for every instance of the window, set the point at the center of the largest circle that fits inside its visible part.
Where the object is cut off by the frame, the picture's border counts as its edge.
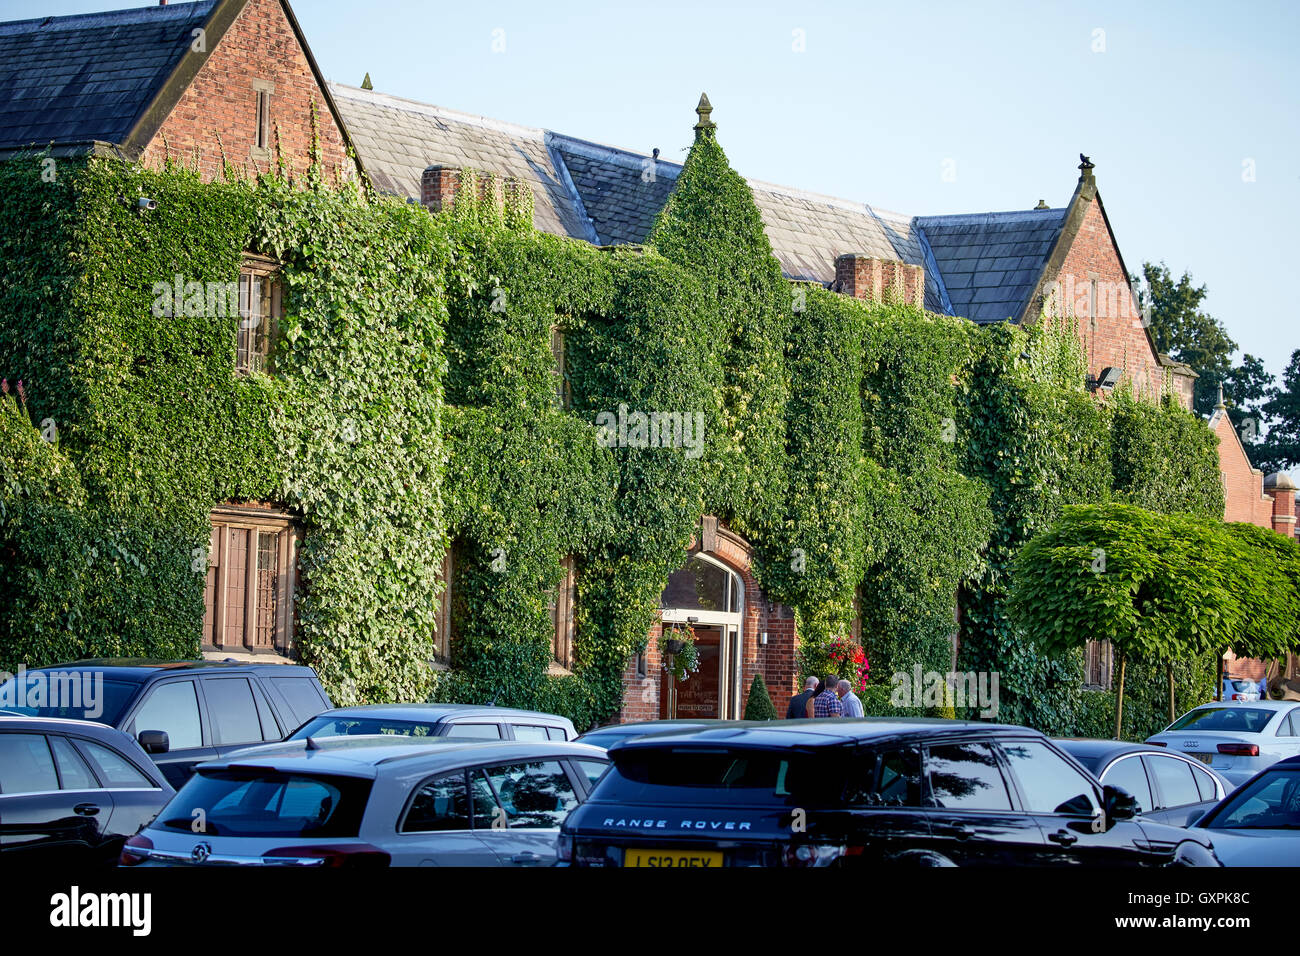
(259, 314)
(529, 733)
(1205, 784)
(441, 804)
(556, 733)
(233, 711)
(533, 795)
(270, 803)
(26, 765)
(562, 621)
(1288, 726)
(249, 594)
(442, 621)
(480, 731)
(1097, 667)
(562, 397)
(116, 771)
(966, 777)
(701, 585)
(1241, 720)
(174, 709)
(1175, 780)
(1049, 783)
(301, 695)
(73, 772)
(593, 769)
(1128, 774)
(262, 129)
(893, 779)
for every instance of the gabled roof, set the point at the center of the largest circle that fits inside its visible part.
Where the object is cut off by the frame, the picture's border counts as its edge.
(991, 262)
(80, 79)
(107, 81)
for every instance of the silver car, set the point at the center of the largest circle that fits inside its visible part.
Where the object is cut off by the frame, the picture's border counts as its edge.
(1237, 738)
(374, 801)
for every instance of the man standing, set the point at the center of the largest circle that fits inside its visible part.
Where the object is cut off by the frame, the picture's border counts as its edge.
(801, 704)
(827, 703)
(852, 704)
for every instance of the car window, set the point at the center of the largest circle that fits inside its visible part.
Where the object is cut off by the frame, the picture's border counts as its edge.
(85, 695)
(268, 803)
(116, 771)
(529, 732)
(1242, 720)
(1288, 727)
(593, 769)
(1050, 784)
(173, 708)
(1205, 784)
(966, 777)
(1129, 774)
(26, 765)
(1270, 801)
(488, 814)
(271, 729)
(556, 733)
(344, 725)
(533, 795)
(893, 778)
(486, 731)
(440, 804)
(232, 710)
(72, 769)
(1174, 777)
(301, 695)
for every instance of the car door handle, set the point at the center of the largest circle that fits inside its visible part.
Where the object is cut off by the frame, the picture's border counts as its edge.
(86, 809)
(528, 856)
(959, 830)
(1063, 837)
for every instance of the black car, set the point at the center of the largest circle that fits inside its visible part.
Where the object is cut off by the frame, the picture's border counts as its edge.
(181, 712)
(72, 792)
(856, 792)
(1168, 786)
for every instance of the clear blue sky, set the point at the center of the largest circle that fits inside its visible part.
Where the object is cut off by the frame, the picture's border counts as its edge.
(883, 94)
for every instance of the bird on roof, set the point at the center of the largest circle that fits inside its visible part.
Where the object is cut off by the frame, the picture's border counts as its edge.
(656, 152)
(1085, 162)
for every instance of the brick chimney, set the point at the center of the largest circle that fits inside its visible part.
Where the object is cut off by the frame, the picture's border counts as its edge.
(438, 187)
(1283, 489)
(866, 277)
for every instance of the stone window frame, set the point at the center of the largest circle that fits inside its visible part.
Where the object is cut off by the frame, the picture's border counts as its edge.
(260, 148)
(253, 343)
(255, 522)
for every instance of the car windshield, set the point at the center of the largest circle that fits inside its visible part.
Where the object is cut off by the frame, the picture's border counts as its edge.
(1269, 802)
(679, 776)
(68, 695)
(1243, 720)
(327, 726)
(267, 803)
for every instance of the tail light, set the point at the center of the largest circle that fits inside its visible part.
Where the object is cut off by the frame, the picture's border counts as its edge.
(564, 848)
(331, 855)
(1239, 750)
(135, 851)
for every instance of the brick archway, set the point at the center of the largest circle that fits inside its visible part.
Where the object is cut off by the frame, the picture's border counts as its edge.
(767, 635)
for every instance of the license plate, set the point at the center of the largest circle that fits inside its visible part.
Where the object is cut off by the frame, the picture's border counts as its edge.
(672, 858)
(1203, 758)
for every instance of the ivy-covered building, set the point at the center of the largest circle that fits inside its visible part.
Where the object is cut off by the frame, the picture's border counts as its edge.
(448, 406)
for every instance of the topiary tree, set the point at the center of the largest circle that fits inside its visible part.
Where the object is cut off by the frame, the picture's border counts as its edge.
(759, 706)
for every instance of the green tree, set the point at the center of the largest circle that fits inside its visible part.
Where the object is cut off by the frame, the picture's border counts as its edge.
(1281, 449)
(759, 706)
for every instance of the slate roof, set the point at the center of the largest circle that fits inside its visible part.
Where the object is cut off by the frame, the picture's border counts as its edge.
(991, 262)
(397, 138)
(81, 79)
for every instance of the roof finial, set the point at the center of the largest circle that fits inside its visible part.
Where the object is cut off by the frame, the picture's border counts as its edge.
(1042, 205)
(703, 110)
(1221, 405)
(366, 84)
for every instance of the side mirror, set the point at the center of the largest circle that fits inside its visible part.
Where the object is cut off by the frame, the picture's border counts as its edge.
(154, 741)
(1120, 804)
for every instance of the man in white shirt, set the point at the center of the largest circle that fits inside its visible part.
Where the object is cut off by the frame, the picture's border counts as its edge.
(852, 705)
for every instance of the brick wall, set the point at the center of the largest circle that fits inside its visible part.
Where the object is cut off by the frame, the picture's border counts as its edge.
(260, 49)
(1243, 485)
(1109, 323)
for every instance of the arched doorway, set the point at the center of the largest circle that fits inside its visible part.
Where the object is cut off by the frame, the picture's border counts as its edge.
(708, 596)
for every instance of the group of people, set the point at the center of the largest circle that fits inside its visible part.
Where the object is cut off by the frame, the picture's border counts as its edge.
(831, 697)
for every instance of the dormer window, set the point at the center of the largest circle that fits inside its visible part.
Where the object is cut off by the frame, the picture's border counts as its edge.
(259, 314)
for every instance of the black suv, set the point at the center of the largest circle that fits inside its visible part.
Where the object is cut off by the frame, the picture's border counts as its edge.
(856, 792)
(181, 712)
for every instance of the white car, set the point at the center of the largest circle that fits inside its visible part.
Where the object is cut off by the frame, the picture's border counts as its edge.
(1236, 738)
(387, 800)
